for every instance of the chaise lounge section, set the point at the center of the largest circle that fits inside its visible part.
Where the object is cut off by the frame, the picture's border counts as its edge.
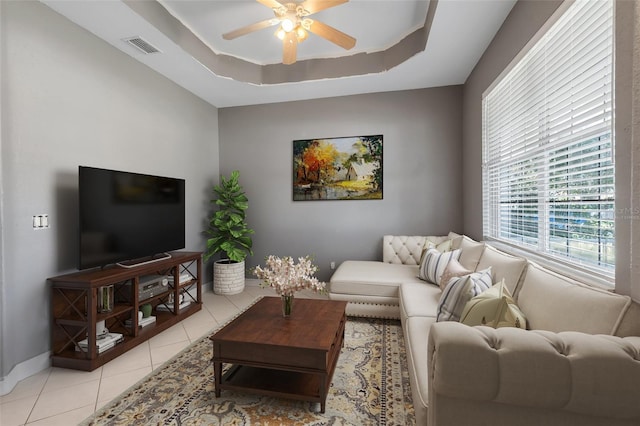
(578, 361)
(371, 287)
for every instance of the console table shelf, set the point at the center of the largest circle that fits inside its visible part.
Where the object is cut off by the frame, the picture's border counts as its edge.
(74, 307)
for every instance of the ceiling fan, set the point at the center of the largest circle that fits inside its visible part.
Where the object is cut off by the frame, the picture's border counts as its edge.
(295, 25)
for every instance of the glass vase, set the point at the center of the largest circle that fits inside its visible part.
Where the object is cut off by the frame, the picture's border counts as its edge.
(287, 305)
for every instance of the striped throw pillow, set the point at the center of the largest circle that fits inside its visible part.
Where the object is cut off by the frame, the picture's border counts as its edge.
(461, 290)
(434, 263)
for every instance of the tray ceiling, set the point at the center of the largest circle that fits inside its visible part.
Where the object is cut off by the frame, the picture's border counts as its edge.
(401, 45)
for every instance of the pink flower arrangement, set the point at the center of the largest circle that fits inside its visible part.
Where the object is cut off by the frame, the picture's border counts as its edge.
(286, 277)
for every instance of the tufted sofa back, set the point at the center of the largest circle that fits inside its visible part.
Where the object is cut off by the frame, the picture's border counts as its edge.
(403, 249)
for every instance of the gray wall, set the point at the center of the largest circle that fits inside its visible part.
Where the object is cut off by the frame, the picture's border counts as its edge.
(524, 21)
(629, 35)
(422, 178)
(69, 99)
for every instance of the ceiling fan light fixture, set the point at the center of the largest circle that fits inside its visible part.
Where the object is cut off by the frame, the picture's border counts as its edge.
(294, 27)
(287, 25)
(301, 34)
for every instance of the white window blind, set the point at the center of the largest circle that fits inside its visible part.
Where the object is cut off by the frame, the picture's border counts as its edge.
(548, 172)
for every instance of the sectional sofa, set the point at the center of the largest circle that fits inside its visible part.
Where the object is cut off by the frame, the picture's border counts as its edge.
(577, 363)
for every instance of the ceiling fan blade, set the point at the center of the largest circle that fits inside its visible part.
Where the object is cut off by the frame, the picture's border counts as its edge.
(290, 48)
(250, 28)
(271, 4)
(334, 36)
(313, 6)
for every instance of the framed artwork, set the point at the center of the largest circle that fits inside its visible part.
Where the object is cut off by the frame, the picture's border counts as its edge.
(344, 168)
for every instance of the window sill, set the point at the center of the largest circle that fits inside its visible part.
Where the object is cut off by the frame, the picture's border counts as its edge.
(584, 275)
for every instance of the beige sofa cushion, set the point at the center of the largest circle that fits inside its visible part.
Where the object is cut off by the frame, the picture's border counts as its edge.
(416, 332)
(557, 303)
(504, 266)
(371, 278)
(630, 323)
(471, 251)
(576, 372)
(419, 300)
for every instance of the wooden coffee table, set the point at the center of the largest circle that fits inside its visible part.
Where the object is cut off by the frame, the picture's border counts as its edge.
(285, 357)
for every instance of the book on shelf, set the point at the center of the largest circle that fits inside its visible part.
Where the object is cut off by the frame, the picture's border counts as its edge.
(104, 342)
(184, 278)
(169, 308)
(141, 322)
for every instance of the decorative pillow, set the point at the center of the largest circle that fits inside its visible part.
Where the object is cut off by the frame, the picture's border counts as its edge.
(440, 245)
(494, 308)
(434, 263)
(459, 291)
(453, 269)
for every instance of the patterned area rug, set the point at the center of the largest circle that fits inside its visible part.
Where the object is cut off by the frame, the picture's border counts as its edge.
(370, 387)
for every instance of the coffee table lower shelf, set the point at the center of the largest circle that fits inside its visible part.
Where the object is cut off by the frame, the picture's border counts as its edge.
(292, 358)
(296, 385)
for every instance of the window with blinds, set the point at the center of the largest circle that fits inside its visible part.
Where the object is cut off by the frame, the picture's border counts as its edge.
(548, 171)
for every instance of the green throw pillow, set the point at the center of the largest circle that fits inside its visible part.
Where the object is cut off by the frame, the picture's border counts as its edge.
(494, 308)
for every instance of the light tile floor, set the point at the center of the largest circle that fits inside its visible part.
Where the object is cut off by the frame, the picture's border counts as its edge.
(59, 396)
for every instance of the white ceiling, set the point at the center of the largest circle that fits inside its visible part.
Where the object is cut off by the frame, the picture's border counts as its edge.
(367, 21)
(460, 32)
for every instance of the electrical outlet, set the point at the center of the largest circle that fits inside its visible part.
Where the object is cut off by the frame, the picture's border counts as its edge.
(40, 221)
(333, 265)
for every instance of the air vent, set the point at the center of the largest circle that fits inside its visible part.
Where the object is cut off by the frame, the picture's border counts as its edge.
(142, 45)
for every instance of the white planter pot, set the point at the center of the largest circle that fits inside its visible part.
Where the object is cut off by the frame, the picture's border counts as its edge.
(228, 278)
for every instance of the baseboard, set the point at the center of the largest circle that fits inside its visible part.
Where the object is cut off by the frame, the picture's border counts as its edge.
(38, 363)
(23, 370)
(252, 282)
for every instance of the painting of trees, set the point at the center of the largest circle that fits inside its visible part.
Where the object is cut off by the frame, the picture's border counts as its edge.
(337, 168)
(318, 161)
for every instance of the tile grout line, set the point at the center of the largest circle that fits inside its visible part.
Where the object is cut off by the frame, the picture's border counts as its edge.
(38, 396)
(95, 405)
(238, 305)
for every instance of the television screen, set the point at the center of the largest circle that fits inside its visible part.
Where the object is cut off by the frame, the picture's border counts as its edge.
(128, 216)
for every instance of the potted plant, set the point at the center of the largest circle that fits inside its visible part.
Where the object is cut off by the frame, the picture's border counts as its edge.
(229, 234)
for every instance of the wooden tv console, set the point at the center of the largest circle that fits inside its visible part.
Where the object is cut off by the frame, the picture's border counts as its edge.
(74, 307)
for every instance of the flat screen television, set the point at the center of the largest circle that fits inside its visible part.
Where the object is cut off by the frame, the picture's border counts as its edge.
(128, 217)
